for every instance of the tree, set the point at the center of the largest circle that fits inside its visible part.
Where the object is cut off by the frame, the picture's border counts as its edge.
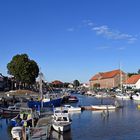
(23, 69)
(66, 85)
(139, 71)
(76, 83)
(130, 74)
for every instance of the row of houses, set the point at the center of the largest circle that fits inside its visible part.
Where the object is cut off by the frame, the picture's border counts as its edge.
(114, 78)
(109, 79)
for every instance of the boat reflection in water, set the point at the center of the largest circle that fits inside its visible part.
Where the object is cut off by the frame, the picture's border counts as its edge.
(59, 136)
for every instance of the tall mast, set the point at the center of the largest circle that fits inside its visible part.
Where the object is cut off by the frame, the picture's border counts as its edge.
(40, 87)
(120, 77)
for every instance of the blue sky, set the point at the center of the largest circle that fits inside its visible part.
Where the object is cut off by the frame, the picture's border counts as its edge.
(71, 39)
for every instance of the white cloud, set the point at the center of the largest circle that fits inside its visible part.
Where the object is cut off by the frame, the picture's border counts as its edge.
(109, 47)
(70, 29)
(89, 23)
(113, 34)
(105, 31)
(103, 47)
(121, 48)
(132, 40)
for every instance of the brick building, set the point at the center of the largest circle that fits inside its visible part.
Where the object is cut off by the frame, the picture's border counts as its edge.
(108, 79)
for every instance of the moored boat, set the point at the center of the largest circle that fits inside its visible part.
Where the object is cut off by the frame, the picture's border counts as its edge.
(69, 108)
(122, 96)
(61, 122)
(10, 111)
(103, 107)
(136, 97)
(46, 103)
(46, 100)
(72, 99)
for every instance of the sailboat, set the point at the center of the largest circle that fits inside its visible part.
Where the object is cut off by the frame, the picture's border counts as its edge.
(121, 95)
(45, 100)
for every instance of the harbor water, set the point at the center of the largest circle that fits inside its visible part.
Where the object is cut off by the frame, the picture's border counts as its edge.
(120, 124)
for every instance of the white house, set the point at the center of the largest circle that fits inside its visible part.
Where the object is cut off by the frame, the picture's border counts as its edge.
(70, 85)
(86, 85)
(133, 82)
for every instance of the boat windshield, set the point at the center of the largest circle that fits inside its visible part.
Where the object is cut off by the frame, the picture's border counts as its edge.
(62, 119)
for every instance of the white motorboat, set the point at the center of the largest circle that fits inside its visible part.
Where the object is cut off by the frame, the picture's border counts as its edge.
(68, 109)
(90, 93)
(61, 122)
(17, 133)
(122, 96)
(102, 95)
(10, 111)
(71, 108)
(136, 96)
(103, 107)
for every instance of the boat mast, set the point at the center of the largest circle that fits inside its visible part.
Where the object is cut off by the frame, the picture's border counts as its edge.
(40, 87)
(120, 78)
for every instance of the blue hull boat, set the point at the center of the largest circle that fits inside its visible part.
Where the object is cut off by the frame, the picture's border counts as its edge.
(53, 102)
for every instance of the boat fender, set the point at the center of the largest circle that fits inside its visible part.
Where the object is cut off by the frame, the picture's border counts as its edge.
(25, 124)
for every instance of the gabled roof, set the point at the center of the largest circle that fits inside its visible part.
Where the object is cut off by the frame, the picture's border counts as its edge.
(106, 75)
(133, 79)
(57, 82)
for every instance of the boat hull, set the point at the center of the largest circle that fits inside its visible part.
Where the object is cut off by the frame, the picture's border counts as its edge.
(74, 109)
(103, 107)
(72, 99)
(69, 108)
(61, 127)
(136, 98)
(9, 112)
(53, 102)
(123, 97)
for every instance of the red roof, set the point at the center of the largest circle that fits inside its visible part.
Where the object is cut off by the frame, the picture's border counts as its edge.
(57, 82)
(106, 75)
(133, 79)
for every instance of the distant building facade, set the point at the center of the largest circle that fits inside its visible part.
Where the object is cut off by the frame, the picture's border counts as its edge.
(1, 82)
(5, 83)
(133, 82)
(85, 85)
(108, 79)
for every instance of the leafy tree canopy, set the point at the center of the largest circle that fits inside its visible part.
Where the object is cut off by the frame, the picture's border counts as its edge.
(139, 71)
(23, 69)
(130, 74)
(76, 83)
